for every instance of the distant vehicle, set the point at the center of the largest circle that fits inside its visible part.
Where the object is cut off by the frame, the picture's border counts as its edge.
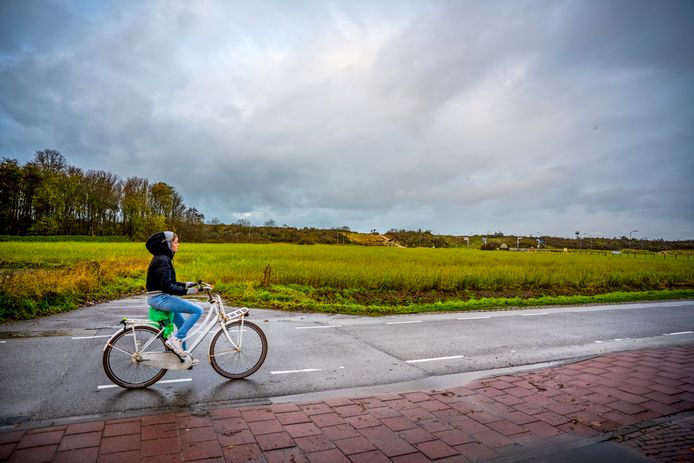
(616, 252)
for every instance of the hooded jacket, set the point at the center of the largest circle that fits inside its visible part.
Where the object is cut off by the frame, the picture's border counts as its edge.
(161, 275)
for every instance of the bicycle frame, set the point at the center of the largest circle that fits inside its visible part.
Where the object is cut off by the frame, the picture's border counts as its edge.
(215, 315)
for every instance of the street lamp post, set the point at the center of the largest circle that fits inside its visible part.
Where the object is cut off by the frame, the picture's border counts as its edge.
(633, 231)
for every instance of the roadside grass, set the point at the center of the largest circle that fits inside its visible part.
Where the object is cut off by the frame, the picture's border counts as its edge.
(43, 278)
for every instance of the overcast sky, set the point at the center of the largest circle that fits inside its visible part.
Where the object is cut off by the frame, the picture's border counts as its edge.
(461, 117)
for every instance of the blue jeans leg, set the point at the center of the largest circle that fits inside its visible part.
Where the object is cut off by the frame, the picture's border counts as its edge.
(170, 303)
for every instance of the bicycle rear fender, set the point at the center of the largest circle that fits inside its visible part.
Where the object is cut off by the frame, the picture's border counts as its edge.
(129, 323)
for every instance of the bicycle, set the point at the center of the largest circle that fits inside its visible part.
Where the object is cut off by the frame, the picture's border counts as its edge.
(136, 357)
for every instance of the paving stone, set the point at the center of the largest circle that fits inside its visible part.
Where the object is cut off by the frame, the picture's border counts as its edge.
(85, 455)
(257, 415)
(519, 417)
(197, 434)
(363, 421)
(505, 427)
(120, 443)
(437, 449)
(274, 441)
(247, 453)
(338, 402)
(327, 419)
(393, 446)
(492, 439)
(314, 443)
(229, 424)
(398, 423)
(387, 412)
(217, 413)
(327, 456)
(453, 437)
(374, 456)
(39, 439)
(11, 437)
(121, 429)
(128, 456)
(349, 410)
(79, 428)
(293, 417)
(542, 429)
(232, 438)
(340, 431)
(354, 445)
(265, 427)
(475, 451)
(187, 422)
(302, 429)
(34, 454)
(316, 409)
(79, 441)
(284, 408)
(417, 397)
(293, 455)
(159, 431)
(158, 419)
(200, 450)
(416, 435)
(155, 447)
(412, 458)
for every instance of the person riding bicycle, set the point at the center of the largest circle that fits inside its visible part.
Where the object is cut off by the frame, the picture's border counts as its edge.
(163, 289)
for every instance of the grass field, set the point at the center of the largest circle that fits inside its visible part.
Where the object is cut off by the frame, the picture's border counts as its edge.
(40, 278)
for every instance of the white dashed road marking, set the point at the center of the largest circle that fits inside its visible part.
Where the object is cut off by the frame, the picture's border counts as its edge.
(166, 381)
(305, 370)
(403, 323)
(677, 333)
(317, 327)
(93, 337)
(452, 357)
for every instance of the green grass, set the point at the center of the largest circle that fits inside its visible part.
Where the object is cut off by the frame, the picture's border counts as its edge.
(45, 277)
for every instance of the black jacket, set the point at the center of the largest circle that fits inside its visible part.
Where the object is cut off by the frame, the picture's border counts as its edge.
(161, 275)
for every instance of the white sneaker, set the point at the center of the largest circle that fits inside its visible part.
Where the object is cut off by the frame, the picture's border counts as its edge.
(174, 344)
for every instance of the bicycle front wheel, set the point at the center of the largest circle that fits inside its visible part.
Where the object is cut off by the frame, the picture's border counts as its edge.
(242, 353)
(121, 360)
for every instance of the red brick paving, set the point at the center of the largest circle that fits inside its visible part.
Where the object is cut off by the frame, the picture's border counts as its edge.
(485, 419)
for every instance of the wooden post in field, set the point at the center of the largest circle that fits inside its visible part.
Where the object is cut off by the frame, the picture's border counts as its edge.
(266, 277)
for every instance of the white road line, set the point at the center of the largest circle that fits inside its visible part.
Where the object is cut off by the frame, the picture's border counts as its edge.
(435, 359)
(678, 333)
(305, 370)
(403, 323)
(472, 318)
(166, 381)
(609, 340)
(533, 314)
(93, 337)
(3, 342)
(317, 327)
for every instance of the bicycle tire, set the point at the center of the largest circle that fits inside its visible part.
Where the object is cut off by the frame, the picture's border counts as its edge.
(232, 363)
(118, 362)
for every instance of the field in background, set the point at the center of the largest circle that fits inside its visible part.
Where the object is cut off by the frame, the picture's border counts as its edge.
(40, 278)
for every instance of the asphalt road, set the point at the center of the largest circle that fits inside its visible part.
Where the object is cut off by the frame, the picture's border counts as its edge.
(51, 368)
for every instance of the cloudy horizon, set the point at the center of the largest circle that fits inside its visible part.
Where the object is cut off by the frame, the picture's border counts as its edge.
(460, 117)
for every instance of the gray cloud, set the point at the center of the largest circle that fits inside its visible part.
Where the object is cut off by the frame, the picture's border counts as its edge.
(461, 117)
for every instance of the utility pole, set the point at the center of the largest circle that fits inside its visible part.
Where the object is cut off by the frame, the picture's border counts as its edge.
(633, 231)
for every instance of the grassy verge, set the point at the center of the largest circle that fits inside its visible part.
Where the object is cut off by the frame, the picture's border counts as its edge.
(44, 278)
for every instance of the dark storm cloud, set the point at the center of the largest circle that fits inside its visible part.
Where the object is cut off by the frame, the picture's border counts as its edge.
(461, 117)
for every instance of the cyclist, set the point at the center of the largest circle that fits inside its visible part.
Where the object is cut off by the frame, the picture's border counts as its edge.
(163, 289)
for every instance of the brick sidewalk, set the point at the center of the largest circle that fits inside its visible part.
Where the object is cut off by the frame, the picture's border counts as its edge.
(613, 396)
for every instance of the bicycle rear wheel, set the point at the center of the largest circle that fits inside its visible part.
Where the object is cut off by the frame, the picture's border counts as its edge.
(121, 363)
(244, 356)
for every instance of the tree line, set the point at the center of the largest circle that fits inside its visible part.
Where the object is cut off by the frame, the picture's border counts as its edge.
(48, 196)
